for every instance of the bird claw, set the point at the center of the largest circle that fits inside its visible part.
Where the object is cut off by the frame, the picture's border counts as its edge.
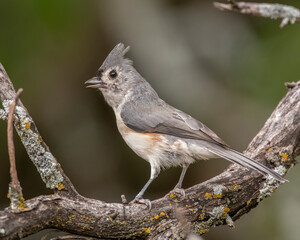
(146, 202)
(178, 191)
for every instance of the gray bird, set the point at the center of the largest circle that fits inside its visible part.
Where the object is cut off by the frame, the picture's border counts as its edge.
(157, 132)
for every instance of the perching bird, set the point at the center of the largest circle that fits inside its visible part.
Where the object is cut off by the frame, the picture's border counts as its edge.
(157, 132)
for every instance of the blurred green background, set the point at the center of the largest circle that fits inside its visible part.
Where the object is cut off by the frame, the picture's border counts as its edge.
(225, 69)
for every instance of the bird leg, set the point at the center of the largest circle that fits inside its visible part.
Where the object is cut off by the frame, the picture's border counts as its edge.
(178, 188)
(139, 197)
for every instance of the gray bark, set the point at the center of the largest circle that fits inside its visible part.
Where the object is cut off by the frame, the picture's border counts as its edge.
(288, 14)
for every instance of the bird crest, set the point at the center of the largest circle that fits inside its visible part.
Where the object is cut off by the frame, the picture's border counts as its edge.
(116, 57)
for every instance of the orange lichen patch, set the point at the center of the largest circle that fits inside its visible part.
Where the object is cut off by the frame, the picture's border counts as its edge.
(248, 202)
(167, 216)
(60, 186)
(236, 187)
(187, 205)
(172, 195)
(162, 214)
(202, 231)
(27, 125)
(164, 229)
(270, 149)
(159, 223)
(207, 195)
(147, 230)
(21, 204)
(284, 157)
(8, 195)
(122, 223)
(156, 216)
(191, 209)
(151, 219)
(110, 219)
(170, 204)
(202, 215)
(39, 140)
(226, 210)
(217, 196)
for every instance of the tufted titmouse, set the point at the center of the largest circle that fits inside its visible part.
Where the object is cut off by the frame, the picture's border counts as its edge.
(157, 132)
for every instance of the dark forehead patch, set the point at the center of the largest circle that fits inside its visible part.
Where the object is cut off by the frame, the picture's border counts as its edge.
(99, 73)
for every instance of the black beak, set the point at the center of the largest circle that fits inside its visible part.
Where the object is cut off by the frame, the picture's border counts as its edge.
(95, 82)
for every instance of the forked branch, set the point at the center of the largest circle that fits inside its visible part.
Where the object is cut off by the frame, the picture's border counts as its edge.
(220, 200)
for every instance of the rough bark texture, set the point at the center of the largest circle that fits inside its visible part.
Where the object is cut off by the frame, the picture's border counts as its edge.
(288, 14)
(220, 200)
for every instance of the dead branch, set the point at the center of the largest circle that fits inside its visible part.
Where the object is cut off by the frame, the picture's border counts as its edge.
(291, 84)
(10, 140)
(220, 200)
(288, 14)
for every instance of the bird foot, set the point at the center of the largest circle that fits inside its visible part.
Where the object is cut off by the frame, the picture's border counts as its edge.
(177, 191)
(146, 202)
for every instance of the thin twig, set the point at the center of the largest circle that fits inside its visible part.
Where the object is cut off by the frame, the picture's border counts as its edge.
(288, 14)
(10, 141)
(291, 84)
(15, 191)
(123, 198)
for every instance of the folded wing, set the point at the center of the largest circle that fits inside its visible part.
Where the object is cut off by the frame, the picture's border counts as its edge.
(165, 119)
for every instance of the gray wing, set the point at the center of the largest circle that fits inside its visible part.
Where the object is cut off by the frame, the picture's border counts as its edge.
(165, 119)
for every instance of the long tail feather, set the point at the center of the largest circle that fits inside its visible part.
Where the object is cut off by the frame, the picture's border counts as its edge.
(239, 158)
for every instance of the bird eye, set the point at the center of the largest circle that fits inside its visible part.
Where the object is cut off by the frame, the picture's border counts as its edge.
(113, 73)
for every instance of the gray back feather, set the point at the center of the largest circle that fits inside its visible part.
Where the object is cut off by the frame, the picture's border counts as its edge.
(149, 114)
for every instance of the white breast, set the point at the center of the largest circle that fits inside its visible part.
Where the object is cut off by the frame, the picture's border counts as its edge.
(161, 151)
(143, 144)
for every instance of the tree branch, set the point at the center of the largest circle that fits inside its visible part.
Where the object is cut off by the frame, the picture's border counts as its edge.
(288, 14)
(220, 200)
(39, 153)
